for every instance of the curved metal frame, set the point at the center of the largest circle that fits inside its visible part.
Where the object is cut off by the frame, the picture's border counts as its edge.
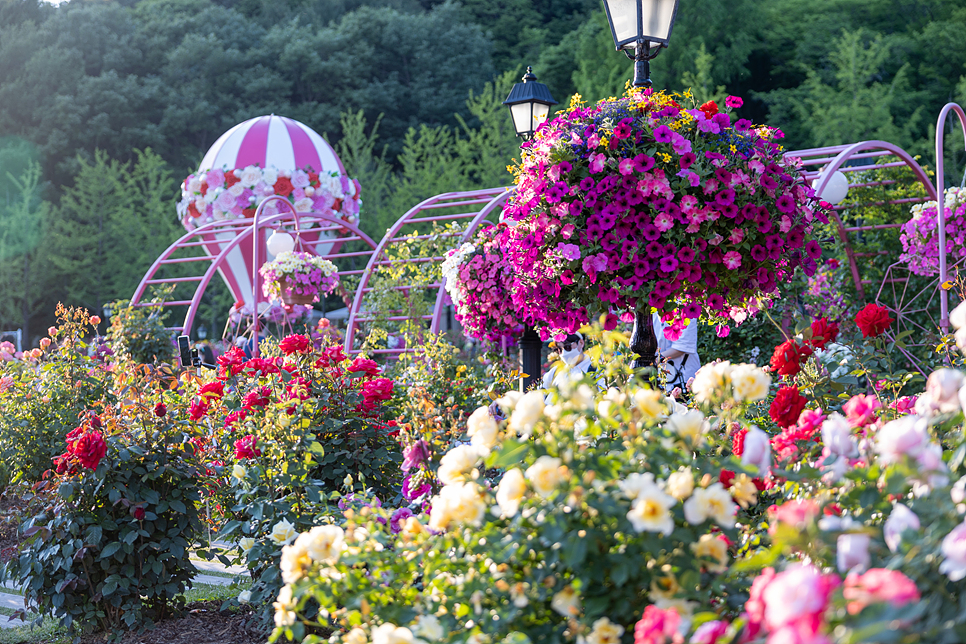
(490, 197)
(244, 230)
(941, 206)
(862, 150)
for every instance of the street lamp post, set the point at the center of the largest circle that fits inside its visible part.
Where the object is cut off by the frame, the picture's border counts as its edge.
(641, 28)
(529, 103)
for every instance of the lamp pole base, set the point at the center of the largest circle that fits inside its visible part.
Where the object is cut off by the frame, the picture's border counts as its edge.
(530, 349)
(643, 341)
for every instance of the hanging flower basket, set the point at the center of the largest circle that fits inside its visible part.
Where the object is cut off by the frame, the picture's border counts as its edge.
(479, 281)
(640, 203)
(298, 278)
(920, 235)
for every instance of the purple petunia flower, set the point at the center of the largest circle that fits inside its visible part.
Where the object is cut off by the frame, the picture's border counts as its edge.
(663, 134)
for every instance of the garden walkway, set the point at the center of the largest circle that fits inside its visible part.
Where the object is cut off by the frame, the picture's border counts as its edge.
(213, 573)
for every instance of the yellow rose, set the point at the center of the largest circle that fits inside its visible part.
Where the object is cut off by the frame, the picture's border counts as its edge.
(510, 492)
(680, 484)
(605, 632)
(744, 490)
(283, 532)
(710, 546)
(566, 602)
(749, 383)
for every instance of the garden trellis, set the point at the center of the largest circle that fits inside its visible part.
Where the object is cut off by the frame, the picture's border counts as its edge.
(225, 246)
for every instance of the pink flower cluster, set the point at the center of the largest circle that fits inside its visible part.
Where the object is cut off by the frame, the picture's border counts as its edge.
(637, 202)
(479, 281)
(920, 235)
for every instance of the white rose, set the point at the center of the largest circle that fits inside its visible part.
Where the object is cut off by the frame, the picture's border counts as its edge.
(389, 633)
(236, 190)
(566, 602)
(244, 596)
(749, 383)
(852, 552)
(195, 186)
(757, 450)
(526, 413)
(605, 632)
(295, 560)
(510, 491)
(429, 627)
(837, 436)
(285, 607)
(239, 472)
(712, 502)
(303, 205)
(283, 532)
(710, 380)
(546, 474)
(250, 176)
(905, 436)
(482, 429)
(900, 519)
(457, 463)
(650, 511)
(680, 484)
(957, 317)
(461, 503)
(324, 543)
(651, 403)
(355, 636)
(690, 425)
(270, 176)
(635, 483)
(941, 395)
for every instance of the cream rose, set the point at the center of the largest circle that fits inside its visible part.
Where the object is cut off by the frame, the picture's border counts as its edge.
(482, 429)
(283, 532)
(680, 484)
(510, 491)
(546, 474)
(690, 425)
(526, 413)
(457, 464)
(324, 543)
(749, 383)
(712, 502)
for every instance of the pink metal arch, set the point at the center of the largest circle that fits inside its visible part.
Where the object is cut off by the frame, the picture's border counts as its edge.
(828, 160)
(474, 204)
(243, 230)
(940, 206)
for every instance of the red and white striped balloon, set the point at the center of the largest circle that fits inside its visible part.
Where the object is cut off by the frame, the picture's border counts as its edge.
(268, 141)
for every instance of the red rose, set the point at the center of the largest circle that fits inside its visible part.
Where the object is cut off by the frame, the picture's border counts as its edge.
(710, 109)
(726, 477)
(204, 187)
(873, 320)
(160, 410)
(230, 363)
(212, 391)
(235, 416)
(314, 180)
(193, 211)
(90, 449)
(823, 332)
(787, 406)
(231, 179)
(369, 367)
(258, 398)
(261, 365)
(788, 357)
(738, 442)
(378, 389)
(245, 448)
(299, 388)
(283, 187)
(138, 513)
(294, 344)
(198, 408)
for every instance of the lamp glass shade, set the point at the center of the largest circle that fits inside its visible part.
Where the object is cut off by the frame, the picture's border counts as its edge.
(540, 112)
(522, 114)
(640, 20)
(835, 190)
(280, 242)
(622, 15)
(658, 15)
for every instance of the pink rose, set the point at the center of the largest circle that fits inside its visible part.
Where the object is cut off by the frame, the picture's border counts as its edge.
(795, 595)
(905, 436)
(852, 552)
(900, 519)
(876, 586)
(860, 410)
(954, 550)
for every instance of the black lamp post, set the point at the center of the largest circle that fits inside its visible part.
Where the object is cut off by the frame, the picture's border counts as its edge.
(641, 28)
(529, 104)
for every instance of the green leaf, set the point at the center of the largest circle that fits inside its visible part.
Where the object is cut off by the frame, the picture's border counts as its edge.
(110, 549)
(511, 453)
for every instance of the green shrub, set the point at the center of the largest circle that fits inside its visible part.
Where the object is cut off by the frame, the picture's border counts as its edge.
(138, 334)
(108, 545)
(42, 398)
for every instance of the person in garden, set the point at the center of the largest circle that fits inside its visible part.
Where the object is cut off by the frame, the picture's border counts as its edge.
(573, 363)
(679, 358)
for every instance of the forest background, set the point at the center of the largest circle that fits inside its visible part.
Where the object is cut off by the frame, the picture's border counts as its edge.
(106, 105)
